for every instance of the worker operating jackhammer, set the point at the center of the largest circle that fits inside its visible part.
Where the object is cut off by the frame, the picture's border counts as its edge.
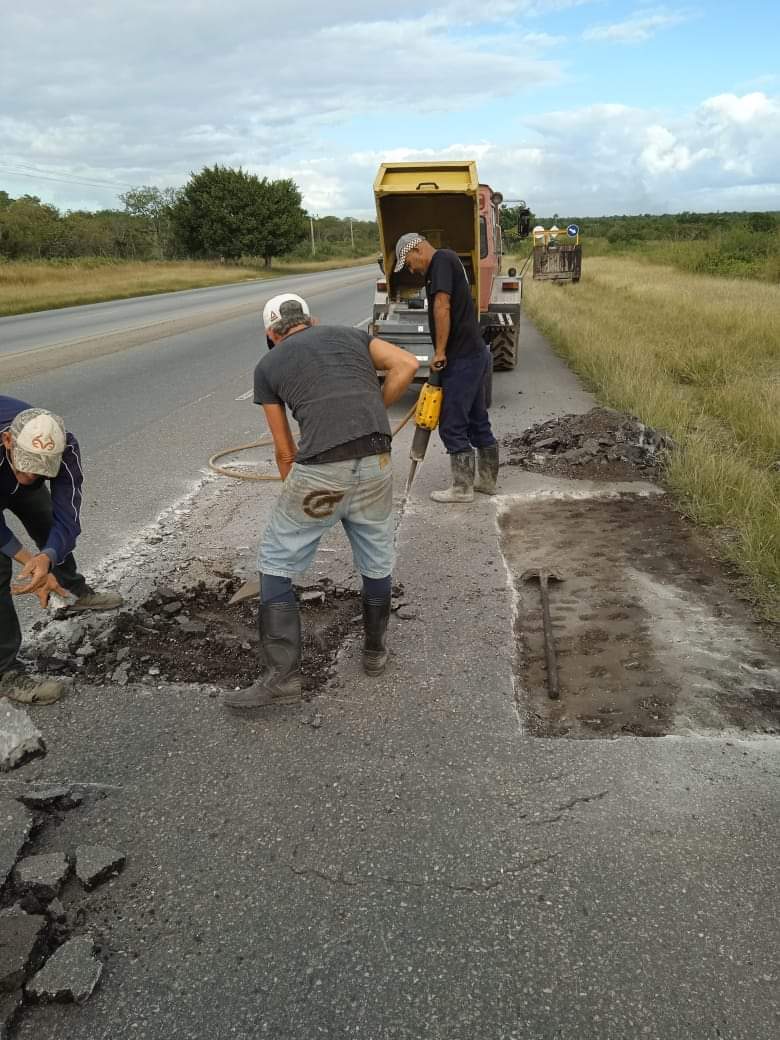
(340, 472)
(463, 359)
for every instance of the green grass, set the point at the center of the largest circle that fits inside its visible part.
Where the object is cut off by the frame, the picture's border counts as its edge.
(699, 357)
(27, 286)
(733, 254)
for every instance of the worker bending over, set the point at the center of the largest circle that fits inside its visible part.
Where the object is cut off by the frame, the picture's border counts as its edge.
(35, 448)
(340, 472)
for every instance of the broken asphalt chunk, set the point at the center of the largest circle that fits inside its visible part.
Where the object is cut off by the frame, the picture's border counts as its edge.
(191, 628)
(70, 974)
(20, 934)
(20, 739)
(15, 826)
(42, 875)
(120, 674)
(312, 596)
(57, 796)
(95, 863)
(9, 1005)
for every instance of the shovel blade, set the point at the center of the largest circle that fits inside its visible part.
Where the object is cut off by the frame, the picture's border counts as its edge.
(249, 590)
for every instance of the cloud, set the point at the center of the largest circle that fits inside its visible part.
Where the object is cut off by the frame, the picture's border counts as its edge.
(283, 90)
(641, 26)
(597, 159)
(249, 84)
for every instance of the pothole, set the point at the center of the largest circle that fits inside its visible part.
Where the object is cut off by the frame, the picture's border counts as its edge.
(649, 638)
(196, 636)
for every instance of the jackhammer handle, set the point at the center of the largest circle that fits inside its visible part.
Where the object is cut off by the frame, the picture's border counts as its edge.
(553, 689)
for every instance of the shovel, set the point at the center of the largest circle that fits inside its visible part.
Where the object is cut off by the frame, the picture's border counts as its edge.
(543, 576)
(249, 590)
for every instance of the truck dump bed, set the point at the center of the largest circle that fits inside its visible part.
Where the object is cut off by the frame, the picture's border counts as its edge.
(440, 201)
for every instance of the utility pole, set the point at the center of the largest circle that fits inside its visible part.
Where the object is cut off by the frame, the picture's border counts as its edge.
(313, 246)
(352, 234)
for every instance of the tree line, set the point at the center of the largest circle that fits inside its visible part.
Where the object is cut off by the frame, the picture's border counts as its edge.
(219, 214)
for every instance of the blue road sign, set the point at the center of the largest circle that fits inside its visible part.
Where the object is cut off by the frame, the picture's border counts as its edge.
(573, 230)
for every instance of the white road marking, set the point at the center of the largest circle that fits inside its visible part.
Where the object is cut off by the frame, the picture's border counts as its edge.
(360, 324)
(246, 396)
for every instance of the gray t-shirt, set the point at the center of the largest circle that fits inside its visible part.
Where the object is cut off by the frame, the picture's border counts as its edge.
(325, 376)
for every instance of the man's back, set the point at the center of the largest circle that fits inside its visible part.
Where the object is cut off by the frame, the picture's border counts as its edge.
(325, 376)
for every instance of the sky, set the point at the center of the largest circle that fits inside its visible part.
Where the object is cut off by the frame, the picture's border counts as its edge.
(580, 107)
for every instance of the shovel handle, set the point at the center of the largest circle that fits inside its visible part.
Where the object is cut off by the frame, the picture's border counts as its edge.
(553, 689)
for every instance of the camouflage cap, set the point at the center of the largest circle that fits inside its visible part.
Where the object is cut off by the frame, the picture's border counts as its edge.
(39, 441)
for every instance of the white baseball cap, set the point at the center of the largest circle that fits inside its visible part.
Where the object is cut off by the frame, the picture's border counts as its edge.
(284, 306)
(39, 441)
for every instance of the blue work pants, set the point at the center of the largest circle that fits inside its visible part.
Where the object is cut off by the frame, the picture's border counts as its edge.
(464, 422)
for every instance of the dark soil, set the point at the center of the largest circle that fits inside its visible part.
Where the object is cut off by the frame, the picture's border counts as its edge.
(649, 637)
(601, 444)
(196, 637)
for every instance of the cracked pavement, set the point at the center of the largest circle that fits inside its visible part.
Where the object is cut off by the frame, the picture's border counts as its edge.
(414, 866)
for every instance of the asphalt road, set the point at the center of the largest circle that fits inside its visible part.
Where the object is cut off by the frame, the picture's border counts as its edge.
(414, 866)
(134, 410)
(48, 328)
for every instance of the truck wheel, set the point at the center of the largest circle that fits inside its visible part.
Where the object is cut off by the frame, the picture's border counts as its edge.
(504, 350)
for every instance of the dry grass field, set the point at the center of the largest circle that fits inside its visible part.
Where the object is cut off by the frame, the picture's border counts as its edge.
(699, 357)
(29, 286)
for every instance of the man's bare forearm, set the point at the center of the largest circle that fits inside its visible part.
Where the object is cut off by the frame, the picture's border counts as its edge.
(441, 314)
(397, 380)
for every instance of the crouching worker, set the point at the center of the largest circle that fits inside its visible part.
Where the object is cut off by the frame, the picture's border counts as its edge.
(340, 473)
(35, 448)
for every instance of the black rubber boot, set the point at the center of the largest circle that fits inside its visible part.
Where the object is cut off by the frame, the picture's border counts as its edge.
(487, 470)
(462, 489)
(280, 677)
(376, 614)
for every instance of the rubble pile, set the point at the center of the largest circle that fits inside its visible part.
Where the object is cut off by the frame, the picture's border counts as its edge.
(194, 635)
(602, 443)
(45, 952)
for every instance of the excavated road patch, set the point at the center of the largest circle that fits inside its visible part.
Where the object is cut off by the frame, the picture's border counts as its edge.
(195, 636)
(650, 640)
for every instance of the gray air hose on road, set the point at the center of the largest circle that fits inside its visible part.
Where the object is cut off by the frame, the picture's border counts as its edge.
(264, 442)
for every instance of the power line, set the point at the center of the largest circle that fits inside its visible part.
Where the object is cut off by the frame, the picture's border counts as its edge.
(20, 171)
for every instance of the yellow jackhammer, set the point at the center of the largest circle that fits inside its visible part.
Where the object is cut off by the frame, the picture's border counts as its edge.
(426, 419)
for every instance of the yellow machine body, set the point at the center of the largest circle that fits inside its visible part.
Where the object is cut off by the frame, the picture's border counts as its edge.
(428, 407)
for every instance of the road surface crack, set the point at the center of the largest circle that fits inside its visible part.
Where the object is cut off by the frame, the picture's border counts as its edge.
(561, 810)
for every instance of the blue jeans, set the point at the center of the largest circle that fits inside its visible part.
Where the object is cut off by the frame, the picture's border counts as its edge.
(464, 421)
(357, 493)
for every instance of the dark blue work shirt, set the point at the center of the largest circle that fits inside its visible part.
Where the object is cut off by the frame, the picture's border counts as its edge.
(448, 275)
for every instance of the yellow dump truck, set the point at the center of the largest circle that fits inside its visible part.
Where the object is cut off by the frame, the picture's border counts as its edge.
(445, 202)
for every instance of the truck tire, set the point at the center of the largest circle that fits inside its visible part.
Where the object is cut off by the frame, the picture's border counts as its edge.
(504, 350)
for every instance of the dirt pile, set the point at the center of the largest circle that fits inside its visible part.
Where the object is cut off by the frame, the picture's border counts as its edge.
(195, 636)
(602, 443)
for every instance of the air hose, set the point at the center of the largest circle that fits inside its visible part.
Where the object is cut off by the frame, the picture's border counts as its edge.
(224, 471)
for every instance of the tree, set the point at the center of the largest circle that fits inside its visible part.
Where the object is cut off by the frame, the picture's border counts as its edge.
(229, 213)
(760, 222)
(284, 222)
(154, 206)
(218, 213)
(29, 229)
